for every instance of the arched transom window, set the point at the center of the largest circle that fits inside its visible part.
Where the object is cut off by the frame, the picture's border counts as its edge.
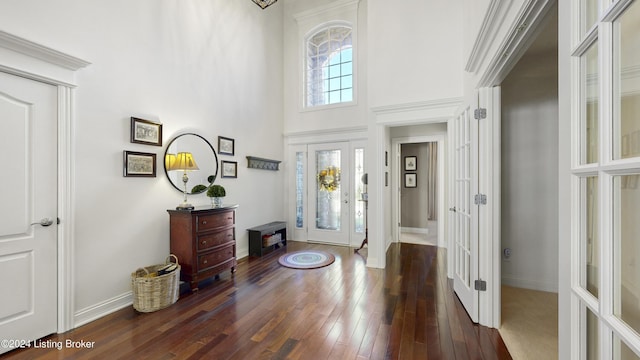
(329, 66)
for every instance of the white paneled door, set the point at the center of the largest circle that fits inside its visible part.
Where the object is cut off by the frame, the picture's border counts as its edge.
(464, 211)
(28, 217)
(329, 200)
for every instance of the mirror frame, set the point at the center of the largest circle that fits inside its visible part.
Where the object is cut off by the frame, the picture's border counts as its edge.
(166, 172)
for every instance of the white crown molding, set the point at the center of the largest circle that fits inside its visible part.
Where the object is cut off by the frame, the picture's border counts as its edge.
(339, 5)
(26, 58)
(521, 34)
(326, 135)
(41, 52)
(432, 111)
(487, 33)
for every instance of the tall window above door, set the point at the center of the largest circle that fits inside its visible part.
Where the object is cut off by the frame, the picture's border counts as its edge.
(329, 66)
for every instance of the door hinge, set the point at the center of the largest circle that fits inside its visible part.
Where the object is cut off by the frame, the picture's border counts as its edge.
(480, 199)
(480, 285)
(480, 114)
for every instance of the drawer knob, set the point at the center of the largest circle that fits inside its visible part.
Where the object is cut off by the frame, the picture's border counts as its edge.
(229, 218)
(204, 242)
(204, 222)
(205, 261)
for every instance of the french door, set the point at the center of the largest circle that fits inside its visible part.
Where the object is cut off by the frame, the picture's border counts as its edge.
(328, 190)
(605, 184)
(464, 213)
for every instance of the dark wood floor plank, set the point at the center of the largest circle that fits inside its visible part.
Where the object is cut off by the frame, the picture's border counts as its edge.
(266, 311)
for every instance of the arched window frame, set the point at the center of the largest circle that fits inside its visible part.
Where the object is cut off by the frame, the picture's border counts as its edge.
(317, 92)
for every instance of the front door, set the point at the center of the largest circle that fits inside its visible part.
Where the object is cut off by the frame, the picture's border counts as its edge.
(329, 200)
(28, 239)
(464, 213)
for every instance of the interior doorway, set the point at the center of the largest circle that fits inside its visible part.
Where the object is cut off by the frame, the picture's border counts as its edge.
(529, 192)
(418, 168)
(419, 193)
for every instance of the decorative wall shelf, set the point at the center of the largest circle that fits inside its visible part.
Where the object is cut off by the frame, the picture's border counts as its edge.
(264, 164)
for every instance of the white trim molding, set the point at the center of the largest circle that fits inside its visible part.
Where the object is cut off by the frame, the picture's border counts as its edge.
(424, 112)
(103, 308)
(25, 58)
(37, 62)
(522, 33)
(487, 34)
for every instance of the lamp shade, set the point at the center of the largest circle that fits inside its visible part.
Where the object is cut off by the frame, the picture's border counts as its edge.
(169, 161)
(184, 161)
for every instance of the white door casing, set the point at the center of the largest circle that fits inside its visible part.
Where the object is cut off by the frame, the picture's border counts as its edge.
(28, 253)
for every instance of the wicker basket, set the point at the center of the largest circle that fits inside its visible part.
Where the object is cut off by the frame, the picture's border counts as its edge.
(151, 293)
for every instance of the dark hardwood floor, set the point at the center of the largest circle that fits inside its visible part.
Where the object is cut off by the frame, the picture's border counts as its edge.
(266, 311)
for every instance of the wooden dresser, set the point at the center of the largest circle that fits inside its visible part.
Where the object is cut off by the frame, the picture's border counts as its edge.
(204, 240)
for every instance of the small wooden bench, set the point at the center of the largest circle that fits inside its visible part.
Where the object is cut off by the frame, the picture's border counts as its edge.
(267, 237)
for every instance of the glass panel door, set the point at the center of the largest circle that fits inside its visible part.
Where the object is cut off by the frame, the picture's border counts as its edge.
(329, 201)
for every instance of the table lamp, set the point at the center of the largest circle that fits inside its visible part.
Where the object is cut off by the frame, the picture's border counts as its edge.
(184, 161)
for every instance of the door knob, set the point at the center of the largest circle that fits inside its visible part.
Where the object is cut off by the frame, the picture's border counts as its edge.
(44, 222)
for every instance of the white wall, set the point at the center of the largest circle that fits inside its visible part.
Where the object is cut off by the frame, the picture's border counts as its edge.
(415, 51)
(530, 172)
(211, 67)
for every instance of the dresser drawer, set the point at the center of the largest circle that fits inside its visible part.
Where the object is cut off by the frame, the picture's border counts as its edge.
(207, 241)
(215, 257)
(213, 221)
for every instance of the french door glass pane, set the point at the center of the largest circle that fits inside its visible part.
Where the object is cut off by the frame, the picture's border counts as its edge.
(589, 14)
(360, 188)
(626, 226)
(590, 243)
(589, 120)
(299, 189)
(328, 204)
(591, 333)
(627, 82)
(621, 351)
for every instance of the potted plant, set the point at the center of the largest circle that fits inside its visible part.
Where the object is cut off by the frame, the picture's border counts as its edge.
(216, 193)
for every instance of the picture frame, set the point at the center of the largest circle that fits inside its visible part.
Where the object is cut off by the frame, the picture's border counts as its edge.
(229, 169)
(139, 164)
(146, 132)
(410, 163)
(226, 146)
(410, 180)
(386, 158)
(386, 178)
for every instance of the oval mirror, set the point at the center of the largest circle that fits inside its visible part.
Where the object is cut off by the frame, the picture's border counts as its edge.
(191, 155)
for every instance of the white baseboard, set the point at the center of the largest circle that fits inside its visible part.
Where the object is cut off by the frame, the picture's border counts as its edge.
(530, 284)
(101, 309)
(414, 230)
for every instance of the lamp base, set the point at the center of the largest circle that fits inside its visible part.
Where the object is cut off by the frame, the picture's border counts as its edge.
(185, 206)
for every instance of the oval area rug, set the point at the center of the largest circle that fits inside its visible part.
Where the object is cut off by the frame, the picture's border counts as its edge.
(306, 259)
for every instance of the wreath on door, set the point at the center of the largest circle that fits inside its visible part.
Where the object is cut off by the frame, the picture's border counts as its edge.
(329, 179)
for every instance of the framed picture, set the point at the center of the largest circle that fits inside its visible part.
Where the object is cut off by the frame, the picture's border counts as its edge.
(386, 158)
(226, 146)
(146, 132)
(229, 169)
(386, 178)
(410, 163)
(139, 164)
(410, 180)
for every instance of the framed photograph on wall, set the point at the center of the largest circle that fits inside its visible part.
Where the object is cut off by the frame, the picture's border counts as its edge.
(229, 169)
(410, 163)
(139, 164)
(146, 132)
(410, 180)
(226, 146)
